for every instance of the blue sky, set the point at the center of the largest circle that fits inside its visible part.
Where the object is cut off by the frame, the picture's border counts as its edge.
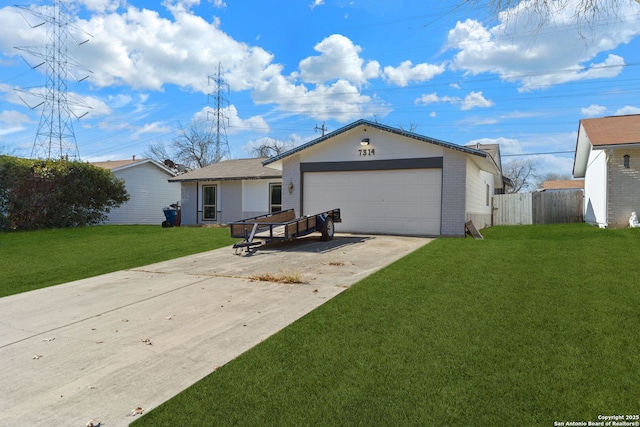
(456, 74)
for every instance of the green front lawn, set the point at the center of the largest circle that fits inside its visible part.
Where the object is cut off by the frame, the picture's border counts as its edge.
(531, 326)
(36, 259)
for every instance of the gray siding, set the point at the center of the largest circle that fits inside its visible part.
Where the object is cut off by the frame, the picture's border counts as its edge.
(189, 214)
(149, 192)
(454, 177)
(230, 201)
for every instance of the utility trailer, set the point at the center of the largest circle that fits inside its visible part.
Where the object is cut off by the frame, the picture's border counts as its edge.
(282, 225)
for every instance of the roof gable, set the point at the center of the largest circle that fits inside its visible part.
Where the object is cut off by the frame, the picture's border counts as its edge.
(601, 133)
(613, 130)
(378, 126)
(118, 165)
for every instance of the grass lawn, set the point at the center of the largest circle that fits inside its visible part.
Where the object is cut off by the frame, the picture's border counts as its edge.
(37, 259)
(532, 325)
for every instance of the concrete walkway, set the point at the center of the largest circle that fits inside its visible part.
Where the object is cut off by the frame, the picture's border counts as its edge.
(99, 348)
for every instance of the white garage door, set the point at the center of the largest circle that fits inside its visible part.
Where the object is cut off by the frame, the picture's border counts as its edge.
(389, 201)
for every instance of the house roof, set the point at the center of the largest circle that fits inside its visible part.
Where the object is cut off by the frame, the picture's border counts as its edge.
(468, 150)
(601, 133)
(563, 184)
(118, 165)
(614, 130)
(230, 170)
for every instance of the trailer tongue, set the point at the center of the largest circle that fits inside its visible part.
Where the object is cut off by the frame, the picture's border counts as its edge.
(282, 225)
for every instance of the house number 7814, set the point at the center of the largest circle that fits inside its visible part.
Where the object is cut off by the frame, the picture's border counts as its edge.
(367, 152)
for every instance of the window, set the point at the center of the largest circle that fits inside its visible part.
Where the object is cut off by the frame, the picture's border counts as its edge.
(626, 161)
(209, 202)
(275, 197)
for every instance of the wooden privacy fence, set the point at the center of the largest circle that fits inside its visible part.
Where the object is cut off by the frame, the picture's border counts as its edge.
(545, 207)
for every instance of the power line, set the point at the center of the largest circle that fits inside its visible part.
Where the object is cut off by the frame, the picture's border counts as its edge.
(537, 154)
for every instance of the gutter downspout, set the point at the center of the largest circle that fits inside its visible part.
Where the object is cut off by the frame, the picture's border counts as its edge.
(606, 187)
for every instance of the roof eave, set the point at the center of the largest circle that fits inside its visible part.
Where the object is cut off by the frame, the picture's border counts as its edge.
(378, 126)
(242, 178)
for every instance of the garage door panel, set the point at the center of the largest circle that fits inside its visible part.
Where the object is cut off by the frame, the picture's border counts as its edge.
(392, 201)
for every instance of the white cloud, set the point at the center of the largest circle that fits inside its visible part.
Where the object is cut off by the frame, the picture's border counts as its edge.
(101, 6)
(407, 72)
(341, 100)
(627, 110)
(218, 3)
(472, 100)
(593, 110)
(316, 3)
(339, 60)
(433, 98)
(14, 117)
(143, 50)
(475, 100)
(542, 55)
(150, 128)
(233, 123)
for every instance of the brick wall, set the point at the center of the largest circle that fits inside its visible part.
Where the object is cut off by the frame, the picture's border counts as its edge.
(624, 187)
(291, 174)
(454, 177)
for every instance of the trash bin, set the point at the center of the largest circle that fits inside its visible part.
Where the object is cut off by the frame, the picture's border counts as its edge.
(170, 214)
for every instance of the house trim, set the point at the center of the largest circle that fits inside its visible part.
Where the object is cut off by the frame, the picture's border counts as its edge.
(418, 163)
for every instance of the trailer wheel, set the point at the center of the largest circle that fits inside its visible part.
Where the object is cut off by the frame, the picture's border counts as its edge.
(327, 230)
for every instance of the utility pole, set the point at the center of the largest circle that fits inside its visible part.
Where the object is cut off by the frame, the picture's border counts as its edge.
(55, 137)
(222, 144)
(322, 128)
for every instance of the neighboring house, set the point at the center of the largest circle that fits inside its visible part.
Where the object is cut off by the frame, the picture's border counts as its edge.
(389, 181)
(608, 158)
(563, 185)
(229, 191)
(149, 191)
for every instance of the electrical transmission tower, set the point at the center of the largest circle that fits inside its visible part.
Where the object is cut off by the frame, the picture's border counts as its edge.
(55, 137)
(222, 144)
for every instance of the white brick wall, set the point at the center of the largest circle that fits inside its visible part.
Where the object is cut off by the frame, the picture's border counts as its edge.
(291, 174)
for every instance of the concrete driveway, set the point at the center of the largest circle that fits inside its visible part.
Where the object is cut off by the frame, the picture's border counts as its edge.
(99, 348)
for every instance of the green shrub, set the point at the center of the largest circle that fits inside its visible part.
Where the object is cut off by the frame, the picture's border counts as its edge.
(38, 194)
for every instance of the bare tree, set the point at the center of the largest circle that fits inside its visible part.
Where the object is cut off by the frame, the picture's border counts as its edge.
(522, 173)
(411, 128)
(269, 147)
(158, 151)
(585, 11)
(194, 147)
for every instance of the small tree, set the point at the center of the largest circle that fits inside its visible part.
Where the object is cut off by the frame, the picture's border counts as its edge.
(522, 174)
(195, 147)
(269, 147)
(55, 193)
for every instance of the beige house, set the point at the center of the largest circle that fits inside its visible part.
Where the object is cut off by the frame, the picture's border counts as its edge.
(389, 181)
(229, 191)
(608, 158)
